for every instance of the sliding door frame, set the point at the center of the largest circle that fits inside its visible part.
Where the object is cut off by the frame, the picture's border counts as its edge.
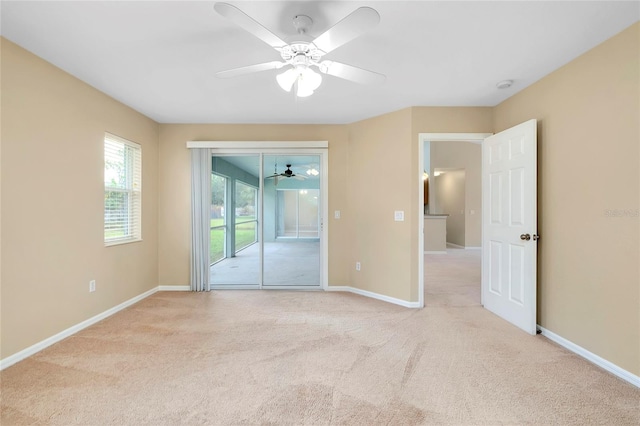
(319, 148)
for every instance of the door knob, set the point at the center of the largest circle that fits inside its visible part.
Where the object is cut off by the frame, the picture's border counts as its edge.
(525, 237)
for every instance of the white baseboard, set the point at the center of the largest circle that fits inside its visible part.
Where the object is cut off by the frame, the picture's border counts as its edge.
(19, 356)
(174, 288)
(590, 356)
(373, 295)
(435, 252)
(463, 247)
(454, 245)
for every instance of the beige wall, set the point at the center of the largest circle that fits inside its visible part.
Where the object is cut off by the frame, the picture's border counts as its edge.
(359, 153)
(450, 192)
(588, 161)
(467, 156)
(1, 44)
(380, 149)
(174, 183)
(53, 127)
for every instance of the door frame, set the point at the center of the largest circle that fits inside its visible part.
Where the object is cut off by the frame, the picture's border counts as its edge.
(477, 138)
(319, 148)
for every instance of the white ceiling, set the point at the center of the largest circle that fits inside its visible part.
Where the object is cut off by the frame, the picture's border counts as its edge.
(160, 57)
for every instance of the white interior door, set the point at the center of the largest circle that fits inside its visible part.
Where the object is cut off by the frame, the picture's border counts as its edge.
(509, 225)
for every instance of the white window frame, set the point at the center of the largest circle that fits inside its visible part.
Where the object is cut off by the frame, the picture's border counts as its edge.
(133, 189)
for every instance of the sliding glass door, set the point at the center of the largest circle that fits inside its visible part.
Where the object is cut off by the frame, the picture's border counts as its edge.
(266, 224)
(234, 250)
(292, 221)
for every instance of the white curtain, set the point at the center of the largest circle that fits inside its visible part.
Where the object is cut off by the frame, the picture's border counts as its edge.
(200, 217)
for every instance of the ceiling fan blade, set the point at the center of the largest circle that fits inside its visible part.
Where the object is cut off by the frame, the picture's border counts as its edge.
(251, 69)
(349, 72)
(243, 20)
(299, 177)
(350, 27)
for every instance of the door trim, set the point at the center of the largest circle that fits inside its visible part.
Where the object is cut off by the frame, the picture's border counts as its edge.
(433, 137)
(319, 148)
(238, 145)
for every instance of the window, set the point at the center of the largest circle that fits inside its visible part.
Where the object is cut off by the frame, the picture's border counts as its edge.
(297, 213)
(122, 191)
(246, 207)
(218, 237)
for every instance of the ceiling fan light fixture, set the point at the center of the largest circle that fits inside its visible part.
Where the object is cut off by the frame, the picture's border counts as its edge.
(310, 78)
(287, 79)
(303, 91)
(307, 80)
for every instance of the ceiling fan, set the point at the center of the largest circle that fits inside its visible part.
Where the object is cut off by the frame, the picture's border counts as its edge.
(301, 56)
(287, 174)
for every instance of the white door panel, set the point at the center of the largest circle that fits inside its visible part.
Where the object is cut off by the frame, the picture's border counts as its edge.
(509, 192)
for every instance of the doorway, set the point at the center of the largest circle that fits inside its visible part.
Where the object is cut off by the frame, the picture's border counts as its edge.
(467, 249)
(508, 218)
(267, 210)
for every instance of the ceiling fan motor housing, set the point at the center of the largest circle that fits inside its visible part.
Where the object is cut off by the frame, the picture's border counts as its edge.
(288, 172)
(301, 53)
(302, 23)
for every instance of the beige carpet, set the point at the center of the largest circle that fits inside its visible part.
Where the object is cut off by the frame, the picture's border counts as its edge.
(284, 357)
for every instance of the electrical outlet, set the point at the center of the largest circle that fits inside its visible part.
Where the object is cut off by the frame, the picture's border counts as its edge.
(357, 266)
(398, 215)
(92, 286)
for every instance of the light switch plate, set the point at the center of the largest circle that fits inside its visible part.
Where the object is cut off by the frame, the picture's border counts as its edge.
(336, 214)
(398, 215)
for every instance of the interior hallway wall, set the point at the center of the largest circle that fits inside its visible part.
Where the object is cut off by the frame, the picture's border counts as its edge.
(467, 156)
(588, 116)
(450, 191)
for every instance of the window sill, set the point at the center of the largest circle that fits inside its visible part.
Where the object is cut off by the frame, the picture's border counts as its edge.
(121, 242)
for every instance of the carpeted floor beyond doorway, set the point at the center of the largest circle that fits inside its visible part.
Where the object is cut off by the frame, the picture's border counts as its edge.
(284, 357)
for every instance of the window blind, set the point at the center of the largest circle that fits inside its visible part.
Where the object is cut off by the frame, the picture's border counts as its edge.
(122, 190)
